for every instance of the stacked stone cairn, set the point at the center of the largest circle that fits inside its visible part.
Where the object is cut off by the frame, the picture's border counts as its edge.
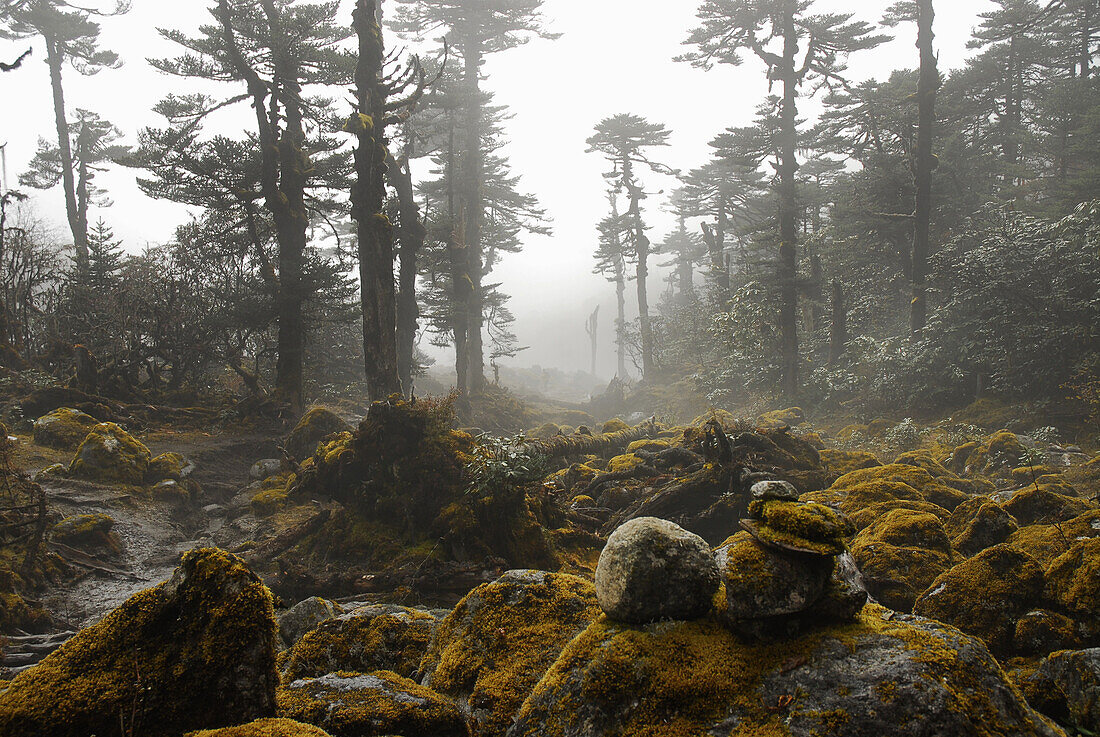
(786, 572)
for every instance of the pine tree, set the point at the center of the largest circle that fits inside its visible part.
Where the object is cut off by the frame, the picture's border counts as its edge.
(813, 49)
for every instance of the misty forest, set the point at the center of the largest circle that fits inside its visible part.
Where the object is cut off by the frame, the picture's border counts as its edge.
(537, 368)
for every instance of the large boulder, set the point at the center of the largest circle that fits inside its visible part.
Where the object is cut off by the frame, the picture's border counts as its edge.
(1044, 543)
(305, 616)
(371, 705)
(900, 553)
(986, 595)
(989, 525)
(885, 674)
(654, 569)
(316, 425)
(111, 455)
(369, 638)
(64, 428)
(1073, 579)
(89, 532)
(1066, 686)
(500, 639)
(197, 651)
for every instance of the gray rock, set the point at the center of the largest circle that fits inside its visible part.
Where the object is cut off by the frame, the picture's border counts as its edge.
(845, 594)
(886, 674)
(1067, 687)
(367, 704)
(761, 582)
(652, 569)
(264, 468)
(783, 490)
(303, 617)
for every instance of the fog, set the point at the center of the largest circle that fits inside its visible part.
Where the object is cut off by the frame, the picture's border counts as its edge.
(612, 57)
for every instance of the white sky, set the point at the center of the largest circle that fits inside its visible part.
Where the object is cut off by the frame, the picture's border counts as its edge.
(614, 56)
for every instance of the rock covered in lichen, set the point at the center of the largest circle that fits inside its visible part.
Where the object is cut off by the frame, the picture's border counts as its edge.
(986, 595)
(303, 617)
(1073, 579)
(316, 425)
(368, 638)
(1067, 687)
(167, 467)
(499, 640)
(654, 569)
(370, 705)
(63, 428)
(900, 553)
(767, 583)
(197, 651)
(269, 727)
(800, 527)
(884, 674)
(110, 454)
(990, 525)
(91, 532)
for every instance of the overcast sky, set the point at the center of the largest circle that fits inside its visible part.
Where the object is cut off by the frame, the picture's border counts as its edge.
(614, 56)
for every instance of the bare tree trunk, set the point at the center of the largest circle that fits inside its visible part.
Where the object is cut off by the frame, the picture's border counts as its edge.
(927, 85)
(620, 321)
(473, 197)
(367, 197)
(788, 208)
(410, 237)
(54, 59)
(641, 245)
(592, 328)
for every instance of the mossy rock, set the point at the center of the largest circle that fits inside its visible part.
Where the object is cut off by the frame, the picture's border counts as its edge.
(267, 502)
(1032, 504)
(883, 674)
(804, 526)
(304, 617)
(990, 525)
(109, 454)
(370, 638)
(924, 459)
(986, 595)
(270, 727)
(1066, 686)
(1024, 475)
(653, 445)
(64, 428)
(1046, 542)
(776, 419)
(1073, 579)
(865, 516)
(760, 582)
(841, 462)
(614, 425)
(316, 425)
(997, 454)
(1042, 631)
(904, 473)
(195, 652)
(624, 463)
(943, 496)
(500, 639)
(545, 431)
(900, 553)
(88, 532)
(351, 704)
(166, 466)
(846, 433)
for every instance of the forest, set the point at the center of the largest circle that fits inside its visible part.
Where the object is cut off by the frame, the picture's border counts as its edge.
(311, 424)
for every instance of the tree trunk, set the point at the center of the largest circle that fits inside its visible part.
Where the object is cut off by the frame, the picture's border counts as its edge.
(68, 180)
(620, 320)
(474, 206)
(375, 234)
(927, 85)
(410, 237)
(592, 328)
(838, 332)
(788, 208)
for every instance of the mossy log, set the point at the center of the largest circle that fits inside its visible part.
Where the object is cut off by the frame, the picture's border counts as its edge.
(563, 446)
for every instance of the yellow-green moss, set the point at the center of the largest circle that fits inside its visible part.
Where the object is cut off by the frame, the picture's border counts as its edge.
(904, 473)
(64, 428)
(270, 727)
(624, 463)
(1073, 579)
(806, 526)
(316, 425)
(110, 454)
(193, 652)
(775, 419)
(614, 425)
(501, 638)
(165, 466)
(1045, 542)
(394, 641)
(841, 462)
(998, 453)
(653, 445)
(86, 531)
(872, 512)
(379, 703)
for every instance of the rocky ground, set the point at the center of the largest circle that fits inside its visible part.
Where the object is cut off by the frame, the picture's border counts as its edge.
(723, 576)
